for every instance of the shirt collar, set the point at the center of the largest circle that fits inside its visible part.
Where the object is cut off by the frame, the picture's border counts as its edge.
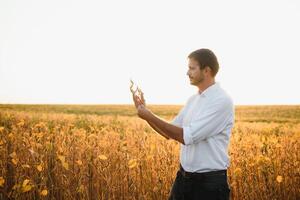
(208, 91)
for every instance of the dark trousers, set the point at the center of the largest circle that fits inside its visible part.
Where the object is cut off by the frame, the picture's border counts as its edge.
(207, 186)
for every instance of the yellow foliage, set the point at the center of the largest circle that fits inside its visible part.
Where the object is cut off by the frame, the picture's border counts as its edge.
(62, 158)
(65, 165)
(39, 167)
(26, 186)
(279, 179)
(132, 163)
(237, 171)
(2, 181)
(15, 161)
(44, 192)
(63, 162)
(13, 155)
(21, 123)
(79, 162)
(25, 182)
(92, 137)
(80, 189)
(260, 145)
(102, 157)
(26, 166)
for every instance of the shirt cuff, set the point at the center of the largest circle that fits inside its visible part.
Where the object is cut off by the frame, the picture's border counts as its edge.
(187, 137)
(175, 122)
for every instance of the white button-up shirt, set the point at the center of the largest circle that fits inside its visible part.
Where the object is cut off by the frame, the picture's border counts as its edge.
(207, 119)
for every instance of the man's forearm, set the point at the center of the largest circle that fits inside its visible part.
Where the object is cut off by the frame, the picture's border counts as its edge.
(170, 130)
(158, 130)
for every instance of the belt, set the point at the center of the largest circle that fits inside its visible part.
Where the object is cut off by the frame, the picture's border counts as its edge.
(202, 174)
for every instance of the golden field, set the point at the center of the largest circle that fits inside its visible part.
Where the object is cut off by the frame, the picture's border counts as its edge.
(107, 152)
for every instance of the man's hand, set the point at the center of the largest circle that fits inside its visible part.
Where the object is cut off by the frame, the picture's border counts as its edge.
(164, 128)
(141, 93)
(142, 111)
(138, 99)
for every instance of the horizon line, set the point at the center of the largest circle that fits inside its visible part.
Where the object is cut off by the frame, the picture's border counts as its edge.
(126, 104)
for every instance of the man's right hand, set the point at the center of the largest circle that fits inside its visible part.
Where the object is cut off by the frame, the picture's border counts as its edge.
(136, 100)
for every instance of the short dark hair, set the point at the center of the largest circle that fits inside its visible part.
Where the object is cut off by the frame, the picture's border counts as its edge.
(206, 57)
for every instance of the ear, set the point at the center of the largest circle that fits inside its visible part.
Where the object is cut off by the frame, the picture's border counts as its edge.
(207, 70)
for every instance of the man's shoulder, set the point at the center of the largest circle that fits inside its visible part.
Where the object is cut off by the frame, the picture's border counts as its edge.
(223, 96)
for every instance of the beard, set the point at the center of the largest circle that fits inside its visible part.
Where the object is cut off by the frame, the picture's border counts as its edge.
(196, 81)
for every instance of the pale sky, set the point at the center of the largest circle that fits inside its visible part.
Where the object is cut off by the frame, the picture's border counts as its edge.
(85, 52)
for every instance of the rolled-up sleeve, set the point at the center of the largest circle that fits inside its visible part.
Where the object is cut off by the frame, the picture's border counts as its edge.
(178, 120)
(211, 121)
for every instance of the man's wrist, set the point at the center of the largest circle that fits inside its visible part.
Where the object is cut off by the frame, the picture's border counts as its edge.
(149, 116)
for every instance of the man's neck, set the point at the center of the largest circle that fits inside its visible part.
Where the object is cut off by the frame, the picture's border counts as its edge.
(203, 86)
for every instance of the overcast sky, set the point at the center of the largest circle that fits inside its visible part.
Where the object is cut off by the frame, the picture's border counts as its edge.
(85, 52)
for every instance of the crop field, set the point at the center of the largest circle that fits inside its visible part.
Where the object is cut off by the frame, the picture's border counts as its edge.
(107, 152)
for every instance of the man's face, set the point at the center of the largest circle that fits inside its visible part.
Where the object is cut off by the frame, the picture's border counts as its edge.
(196, 75)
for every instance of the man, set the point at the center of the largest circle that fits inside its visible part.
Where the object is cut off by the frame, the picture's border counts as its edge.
(203, 128)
